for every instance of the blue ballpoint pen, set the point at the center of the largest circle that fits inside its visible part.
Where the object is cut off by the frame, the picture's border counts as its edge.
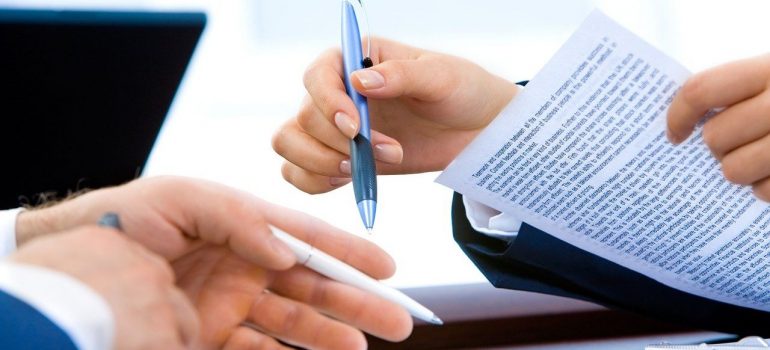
(363, 171)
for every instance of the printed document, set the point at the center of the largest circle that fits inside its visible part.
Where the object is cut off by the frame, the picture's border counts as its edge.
(581, 153)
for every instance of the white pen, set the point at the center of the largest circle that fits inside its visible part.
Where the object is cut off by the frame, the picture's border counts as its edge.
(337, 270)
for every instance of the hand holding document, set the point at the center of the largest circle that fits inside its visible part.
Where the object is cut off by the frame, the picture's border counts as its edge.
(582, 154)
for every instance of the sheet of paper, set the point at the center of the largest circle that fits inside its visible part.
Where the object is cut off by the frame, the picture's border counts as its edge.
(581, 153)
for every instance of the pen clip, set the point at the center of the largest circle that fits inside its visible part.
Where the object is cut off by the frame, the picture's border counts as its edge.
(362, 16)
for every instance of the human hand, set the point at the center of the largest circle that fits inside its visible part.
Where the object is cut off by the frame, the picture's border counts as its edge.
(234, 270)
(424, 107)
(150, 312)
(739, 135)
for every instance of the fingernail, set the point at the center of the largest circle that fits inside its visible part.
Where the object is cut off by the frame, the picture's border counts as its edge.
(338, 181)
(345, 124)
(370, 79)
(388, 153)
(345, 167)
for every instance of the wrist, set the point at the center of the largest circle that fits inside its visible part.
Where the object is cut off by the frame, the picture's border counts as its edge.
(51, 217)
(33, 223)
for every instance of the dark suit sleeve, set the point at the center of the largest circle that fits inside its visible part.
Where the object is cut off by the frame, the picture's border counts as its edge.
(538, 262)
(24, 327)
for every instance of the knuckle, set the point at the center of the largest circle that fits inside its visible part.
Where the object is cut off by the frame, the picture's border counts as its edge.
(287, 173)
(712, 138)
(304, 182)
(319, 294)
(305, 118)
(286, 321)
(308, 77)
(278, 142)
(314, 186)
(325, 103)
(350, 338)
(309, 188)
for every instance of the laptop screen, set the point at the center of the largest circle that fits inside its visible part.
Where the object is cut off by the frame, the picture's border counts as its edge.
(84, 94)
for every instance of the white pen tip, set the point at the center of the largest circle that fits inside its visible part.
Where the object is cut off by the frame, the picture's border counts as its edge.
(369, 230)
(435, 320)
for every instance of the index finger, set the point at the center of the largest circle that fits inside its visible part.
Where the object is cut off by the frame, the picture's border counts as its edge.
(721, 86)
(324, 83)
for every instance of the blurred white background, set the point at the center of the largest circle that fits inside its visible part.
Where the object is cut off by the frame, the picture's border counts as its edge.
(246, 79)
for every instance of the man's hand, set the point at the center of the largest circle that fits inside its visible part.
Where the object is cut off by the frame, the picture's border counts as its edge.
(739, 135)
(150, 312)
(241, 278)
(424, 107)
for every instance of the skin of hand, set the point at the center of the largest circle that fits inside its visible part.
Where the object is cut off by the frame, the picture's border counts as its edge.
(739, 135)
(150, 312)
(425, 107)
(243, 281)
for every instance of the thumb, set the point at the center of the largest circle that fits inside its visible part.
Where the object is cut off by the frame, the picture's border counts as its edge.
(425, 79)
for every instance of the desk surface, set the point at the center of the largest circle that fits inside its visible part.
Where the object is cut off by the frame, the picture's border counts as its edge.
(479, 316)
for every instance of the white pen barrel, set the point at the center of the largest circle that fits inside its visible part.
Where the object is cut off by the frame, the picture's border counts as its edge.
(337, 270)
(301, 249)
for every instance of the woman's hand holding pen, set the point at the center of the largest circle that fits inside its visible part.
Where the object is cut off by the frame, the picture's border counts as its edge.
(424, 107)
(235, 272)
(739, 135)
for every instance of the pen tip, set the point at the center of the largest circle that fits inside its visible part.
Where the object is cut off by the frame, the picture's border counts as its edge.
(369, 230)
(435, 320)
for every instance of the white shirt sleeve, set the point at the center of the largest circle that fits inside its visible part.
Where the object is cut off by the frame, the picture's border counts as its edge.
(74, 307)
(490, 221)
(8, 231)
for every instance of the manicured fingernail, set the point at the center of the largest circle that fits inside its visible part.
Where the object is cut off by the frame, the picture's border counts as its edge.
(345, 124)
(338, 181)
(370, 79)
(345, 167)
(388, 153)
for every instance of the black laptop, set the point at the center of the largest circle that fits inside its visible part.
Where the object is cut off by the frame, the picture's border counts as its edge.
(83, 95)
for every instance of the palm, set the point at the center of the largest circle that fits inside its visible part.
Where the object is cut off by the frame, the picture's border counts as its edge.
(223, 287)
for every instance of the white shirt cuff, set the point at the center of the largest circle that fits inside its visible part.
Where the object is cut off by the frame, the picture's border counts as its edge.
(74, 307)
(8, 231)
(491, 221)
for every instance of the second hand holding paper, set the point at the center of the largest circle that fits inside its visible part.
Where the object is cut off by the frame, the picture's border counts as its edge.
(581, 153)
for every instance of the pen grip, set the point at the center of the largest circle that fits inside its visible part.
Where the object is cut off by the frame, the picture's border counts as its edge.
(362, 163)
